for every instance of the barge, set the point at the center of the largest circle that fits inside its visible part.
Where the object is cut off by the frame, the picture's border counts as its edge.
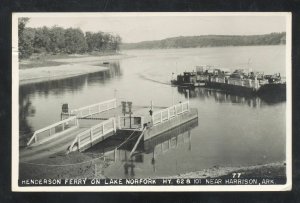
(238, 81)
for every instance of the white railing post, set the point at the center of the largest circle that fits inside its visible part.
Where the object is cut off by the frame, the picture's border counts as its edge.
(91, 135)
(35, 138)
(78, 142)
(71, 146)
(114, 124)
(102, 128)
(168, 114)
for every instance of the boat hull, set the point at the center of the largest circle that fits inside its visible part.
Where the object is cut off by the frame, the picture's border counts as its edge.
(231, 88)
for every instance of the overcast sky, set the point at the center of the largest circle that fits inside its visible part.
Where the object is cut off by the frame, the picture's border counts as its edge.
(143, 28)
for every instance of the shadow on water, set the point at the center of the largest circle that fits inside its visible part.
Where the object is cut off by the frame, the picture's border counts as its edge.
(58, 87)
(147, 151)
(234, 98)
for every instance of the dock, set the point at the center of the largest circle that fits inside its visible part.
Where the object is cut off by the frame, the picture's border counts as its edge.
(82, 128)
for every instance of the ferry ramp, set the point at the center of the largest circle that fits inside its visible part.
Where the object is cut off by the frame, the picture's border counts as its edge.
(56, 145)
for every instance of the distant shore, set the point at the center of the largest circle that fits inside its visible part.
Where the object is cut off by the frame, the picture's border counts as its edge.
(209, 41)
(69, 66)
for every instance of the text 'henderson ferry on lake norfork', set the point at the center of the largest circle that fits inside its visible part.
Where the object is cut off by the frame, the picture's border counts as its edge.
(239, 81)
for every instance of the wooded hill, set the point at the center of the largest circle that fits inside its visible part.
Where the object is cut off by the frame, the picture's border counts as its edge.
(209, 41)
(58, 40)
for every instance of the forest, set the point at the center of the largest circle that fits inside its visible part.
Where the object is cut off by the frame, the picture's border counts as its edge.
(209, 41)
(58, 40)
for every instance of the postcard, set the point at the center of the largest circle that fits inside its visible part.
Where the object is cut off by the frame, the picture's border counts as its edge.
(151, 101)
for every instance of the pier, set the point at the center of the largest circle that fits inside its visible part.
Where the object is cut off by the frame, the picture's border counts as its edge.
(82, 128)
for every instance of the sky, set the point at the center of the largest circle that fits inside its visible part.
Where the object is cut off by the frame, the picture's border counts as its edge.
(139, 27)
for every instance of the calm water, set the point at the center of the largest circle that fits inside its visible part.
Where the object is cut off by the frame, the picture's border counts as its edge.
(231, 130)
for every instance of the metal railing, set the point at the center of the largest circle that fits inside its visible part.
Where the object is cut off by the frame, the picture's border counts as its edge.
(54, 130)
(170, 112)
(94, 108)
(95, 132)
(133, 122)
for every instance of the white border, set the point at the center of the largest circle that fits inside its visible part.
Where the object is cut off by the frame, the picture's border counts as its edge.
(15, 108)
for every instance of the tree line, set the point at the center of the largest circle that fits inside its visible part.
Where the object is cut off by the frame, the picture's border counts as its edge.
(210, 41)
(57, 40)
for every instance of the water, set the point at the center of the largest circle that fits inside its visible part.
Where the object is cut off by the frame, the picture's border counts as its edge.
(232, 130)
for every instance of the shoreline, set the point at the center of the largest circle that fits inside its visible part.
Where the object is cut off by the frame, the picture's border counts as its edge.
(79, 162)
(50, 73)
(273, 170)
(68, 67)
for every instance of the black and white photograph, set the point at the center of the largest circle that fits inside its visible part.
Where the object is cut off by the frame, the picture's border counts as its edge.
(151, 101)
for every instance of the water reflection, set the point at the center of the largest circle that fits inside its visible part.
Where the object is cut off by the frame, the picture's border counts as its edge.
(26, 110)
(170, 140)
(147, 152)
(57, 88)
(113, 71)
(73, 84)
(224, 97)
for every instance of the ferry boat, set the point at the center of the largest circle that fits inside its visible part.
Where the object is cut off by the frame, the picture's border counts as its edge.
(240, 80)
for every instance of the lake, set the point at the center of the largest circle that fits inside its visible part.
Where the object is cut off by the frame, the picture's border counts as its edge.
(231, 130)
